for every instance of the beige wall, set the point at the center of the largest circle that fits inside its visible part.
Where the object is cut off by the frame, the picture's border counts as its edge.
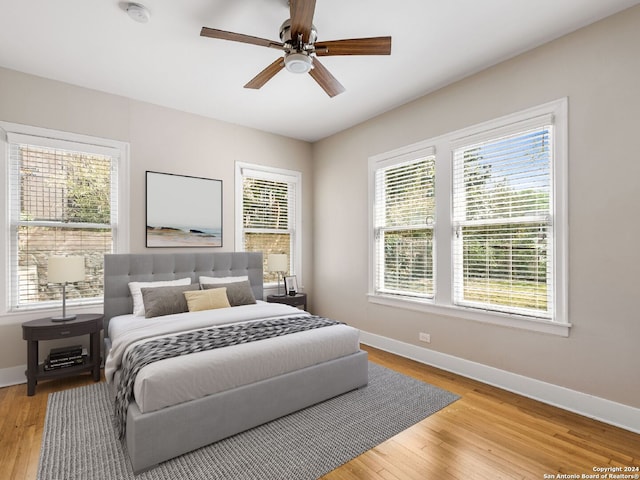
(598, 69)
(160, 139)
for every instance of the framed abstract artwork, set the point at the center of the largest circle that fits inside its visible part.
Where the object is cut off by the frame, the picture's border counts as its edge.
(183, 211)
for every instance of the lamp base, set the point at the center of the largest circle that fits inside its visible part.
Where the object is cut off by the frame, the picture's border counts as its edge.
(63, 318)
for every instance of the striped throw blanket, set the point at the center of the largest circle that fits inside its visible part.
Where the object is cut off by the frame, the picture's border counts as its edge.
(198, 341)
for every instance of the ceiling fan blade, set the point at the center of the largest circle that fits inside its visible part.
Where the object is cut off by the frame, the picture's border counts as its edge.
(239, 37)
(301, 18)
(265, 75)
(355, 46)
(324, 78)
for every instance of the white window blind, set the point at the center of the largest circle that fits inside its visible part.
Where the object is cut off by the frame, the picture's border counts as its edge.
(63, 200)
(269, 215)
(404, 215)
(502, 214)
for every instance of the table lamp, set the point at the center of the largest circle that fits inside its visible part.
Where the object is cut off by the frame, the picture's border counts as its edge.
(278, 262)
(62, 269)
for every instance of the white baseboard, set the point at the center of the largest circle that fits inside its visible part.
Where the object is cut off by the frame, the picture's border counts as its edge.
(613, 413)
(12, 376)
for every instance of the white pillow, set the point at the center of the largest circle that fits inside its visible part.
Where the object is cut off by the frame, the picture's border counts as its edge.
(218, 280)
(136, 294)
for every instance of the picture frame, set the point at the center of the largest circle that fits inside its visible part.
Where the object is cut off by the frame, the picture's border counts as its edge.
(182, 211)
(291, 285)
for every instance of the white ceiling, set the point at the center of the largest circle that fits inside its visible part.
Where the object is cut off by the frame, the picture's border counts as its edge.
(94, 44)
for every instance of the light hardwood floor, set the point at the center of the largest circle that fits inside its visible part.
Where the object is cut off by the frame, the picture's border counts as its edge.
(487, 434)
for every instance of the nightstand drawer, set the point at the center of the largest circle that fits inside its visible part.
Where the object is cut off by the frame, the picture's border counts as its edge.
(63, 330)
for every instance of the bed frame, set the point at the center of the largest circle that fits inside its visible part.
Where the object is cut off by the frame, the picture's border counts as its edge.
(158, 436)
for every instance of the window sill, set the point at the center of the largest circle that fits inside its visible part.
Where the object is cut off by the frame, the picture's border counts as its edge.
(493, 318)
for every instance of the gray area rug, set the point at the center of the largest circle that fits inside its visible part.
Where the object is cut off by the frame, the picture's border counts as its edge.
(79, 440)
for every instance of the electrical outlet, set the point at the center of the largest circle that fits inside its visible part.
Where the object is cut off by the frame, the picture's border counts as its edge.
(424, 337)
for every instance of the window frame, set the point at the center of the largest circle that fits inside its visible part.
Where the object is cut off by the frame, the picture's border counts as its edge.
(444, 227)
(276, 174)
(427, 155)
(63, 140)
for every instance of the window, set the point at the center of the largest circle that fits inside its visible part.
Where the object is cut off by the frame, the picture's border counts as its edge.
(63, 199)
(502, 222)
(404, 217)
(268, 214)
(473, 223)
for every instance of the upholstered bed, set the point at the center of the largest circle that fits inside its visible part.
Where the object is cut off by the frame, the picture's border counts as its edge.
(237, 387)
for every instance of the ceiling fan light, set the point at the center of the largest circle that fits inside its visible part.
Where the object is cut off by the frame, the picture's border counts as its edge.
(298, 63)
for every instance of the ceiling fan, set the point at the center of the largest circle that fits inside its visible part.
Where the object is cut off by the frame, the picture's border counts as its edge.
(301, 51)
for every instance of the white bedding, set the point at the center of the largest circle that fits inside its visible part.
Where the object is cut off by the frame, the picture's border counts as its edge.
(180, 379)
(125, 330)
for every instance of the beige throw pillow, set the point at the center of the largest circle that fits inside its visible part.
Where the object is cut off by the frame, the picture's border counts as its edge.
(207, 299)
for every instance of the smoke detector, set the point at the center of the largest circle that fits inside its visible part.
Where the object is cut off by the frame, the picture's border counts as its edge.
(138, 12)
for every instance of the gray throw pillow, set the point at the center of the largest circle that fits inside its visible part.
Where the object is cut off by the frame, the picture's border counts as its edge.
(238, 293)
(161, 301)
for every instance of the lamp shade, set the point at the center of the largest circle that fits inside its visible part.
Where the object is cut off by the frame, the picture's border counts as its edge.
(65, 269)
(277, 262)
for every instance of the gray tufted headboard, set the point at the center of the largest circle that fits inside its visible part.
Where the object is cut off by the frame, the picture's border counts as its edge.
(120, 269)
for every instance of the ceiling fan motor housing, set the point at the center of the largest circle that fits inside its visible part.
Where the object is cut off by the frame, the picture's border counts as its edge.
(298, 58)
(285, 34)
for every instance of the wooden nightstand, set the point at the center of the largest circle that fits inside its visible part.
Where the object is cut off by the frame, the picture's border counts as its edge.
(46, 329)
(297, 300)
